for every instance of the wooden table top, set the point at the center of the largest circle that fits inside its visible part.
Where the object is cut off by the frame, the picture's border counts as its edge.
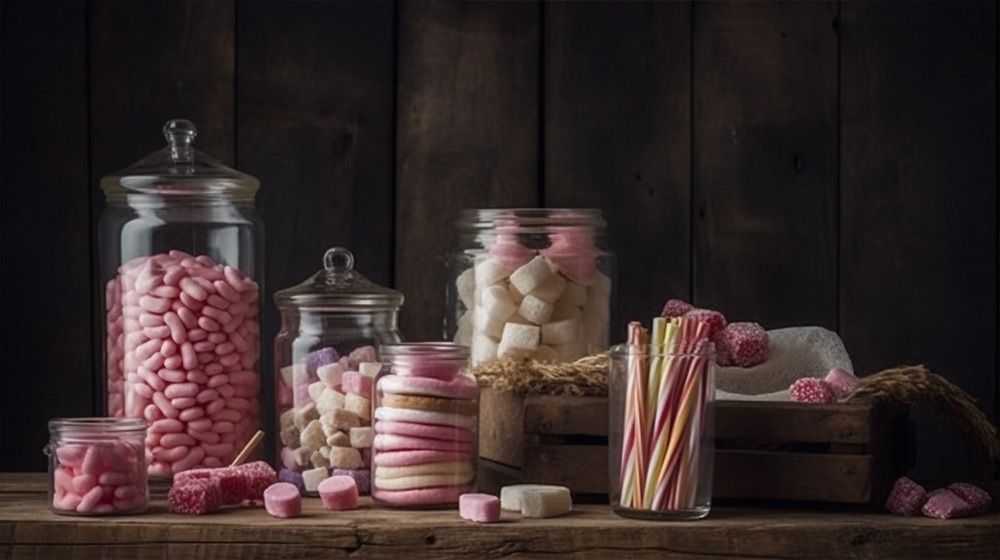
(29, 530)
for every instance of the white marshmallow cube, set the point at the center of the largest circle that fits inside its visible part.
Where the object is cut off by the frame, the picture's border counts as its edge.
(329, 400)
(510, 496)
(369, 369)
(551, 501)
(489, 325)
(531, 275)
(496, 304)
(315, 390)
(515, 295)
(466, 286)
(550, 289)
(484, 349)
(518, 340)
(536, 310)
(560, 332)
(313, 436)
(360, 406)
(362, 438)
(574, 294)
(489, 272)
(331, 374)
(312, 477)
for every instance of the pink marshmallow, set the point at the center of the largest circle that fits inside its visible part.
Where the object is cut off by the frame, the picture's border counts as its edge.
(481, 508)
(356, 384)
(339, 492)
(283, 500)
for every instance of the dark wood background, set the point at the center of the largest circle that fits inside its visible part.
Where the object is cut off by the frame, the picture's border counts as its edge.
(804, 163)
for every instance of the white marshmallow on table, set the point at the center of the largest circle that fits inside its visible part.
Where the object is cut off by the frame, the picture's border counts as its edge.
(536, 310)
(331, 374)
(369, 369)
(550, 289)
(545, 353)
(531, 275)
(360, 406)
(289, 374)
(362, 438)
(466, 286)
(304, 415)
(313, 436)
(560, 332)
(312, 477)
(329, 400)
(574, 294)
(315, 390)
(484, 349)
(488, 272)
(518, 340)
(510, 496)
(546, 501)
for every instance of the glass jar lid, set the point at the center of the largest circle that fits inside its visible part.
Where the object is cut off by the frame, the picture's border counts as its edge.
(180, 170)
(338, 287)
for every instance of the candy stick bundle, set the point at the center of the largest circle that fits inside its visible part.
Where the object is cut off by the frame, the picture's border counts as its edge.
(667, 393)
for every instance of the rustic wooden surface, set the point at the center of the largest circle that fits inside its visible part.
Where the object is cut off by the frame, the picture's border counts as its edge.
(28, 529)
(816, 163)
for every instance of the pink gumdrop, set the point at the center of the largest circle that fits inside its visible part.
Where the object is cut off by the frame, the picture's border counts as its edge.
(742, 345)
(354, 383)
(811, 390)
(339, 492)
(842, 382)
(283, 500)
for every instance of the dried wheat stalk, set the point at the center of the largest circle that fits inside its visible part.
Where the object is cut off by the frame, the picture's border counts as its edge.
(587, 376)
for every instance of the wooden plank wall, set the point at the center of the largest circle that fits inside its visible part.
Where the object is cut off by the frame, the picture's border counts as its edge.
(827, 163)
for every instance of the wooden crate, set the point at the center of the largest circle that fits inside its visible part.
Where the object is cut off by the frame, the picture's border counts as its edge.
(841, 453)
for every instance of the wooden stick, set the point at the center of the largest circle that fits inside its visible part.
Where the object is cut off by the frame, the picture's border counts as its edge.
(248, 448)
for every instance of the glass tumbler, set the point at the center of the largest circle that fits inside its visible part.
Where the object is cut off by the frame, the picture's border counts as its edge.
(660, 432)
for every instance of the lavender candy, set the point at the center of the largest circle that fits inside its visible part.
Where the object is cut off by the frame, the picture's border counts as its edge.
(292, 477)
(320, 357)
(362, 477)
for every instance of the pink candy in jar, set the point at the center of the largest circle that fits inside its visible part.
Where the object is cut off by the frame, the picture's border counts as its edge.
(182, 350)
(97, 466)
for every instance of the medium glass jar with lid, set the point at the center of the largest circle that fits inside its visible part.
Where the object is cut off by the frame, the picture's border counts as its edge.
(426, 422)
(530, 283)
(326, 361)
(180, 261)
(97, 466)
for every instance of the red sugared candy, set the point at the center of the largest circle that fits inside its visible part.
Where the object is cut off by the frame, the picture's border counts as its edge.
(977, 498)
(676, 308)
(236, 484)
(742, 344)
(811, 390)
(716, 321)
(945, 504)
(906, 498)
(195, 496)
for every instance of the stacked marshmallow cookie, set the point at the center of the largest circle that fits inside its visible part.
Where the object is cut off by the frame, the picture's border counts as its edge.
(325, 418)
(549, 305)
(425, 442)
(182, 349)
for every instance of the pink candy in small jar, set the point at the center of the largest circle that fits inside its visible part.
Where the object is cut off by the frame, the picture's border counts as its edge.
(97, 466)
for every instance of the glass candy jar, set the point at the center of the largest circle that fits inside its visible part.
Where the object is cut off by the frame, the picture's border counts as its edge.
(97, 466)
(326, 360)
(532, 283)
(180, 253)
(427, 420)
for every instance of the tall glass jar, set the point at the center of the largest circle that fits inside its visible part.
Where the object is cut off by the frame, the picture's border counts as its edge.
(180, 261)
(97, 466)
(661, 443)
(326, 359)
(426, 424)
(530, 283)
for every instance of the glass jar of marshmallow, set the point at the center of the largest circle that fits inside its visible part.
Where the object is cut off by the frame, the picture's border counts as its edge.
(530, 283)
(180, 258)
(326, 362)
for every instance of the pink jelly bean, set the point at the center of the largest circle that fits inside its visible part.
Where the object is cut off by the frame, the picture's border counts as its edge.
(181, 389)
(175, 326)
(183, 402)
(172, 376)
(167, 425)
(173, 362)
(154, 304)
(193, 289)
(148, 320)
(176, 439)
(90, 500)
(200, 424)
(169, 349)
(167, 292)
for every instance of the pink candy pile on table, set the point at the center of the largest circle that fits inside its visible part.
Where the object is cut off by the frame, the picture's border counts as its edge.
(182, 348)
(960, 499)
(99, 478)
(324, 411)
(200, 491)
(736, 344)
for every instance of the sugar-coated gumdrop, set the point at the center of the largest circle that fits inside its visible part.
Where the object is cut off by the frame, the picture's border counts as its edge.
(977, 498)
(716, 321)
(676, 308)
(842, 382)
(906, 497)
(195, 496)
(811, 390)
(945, 504)
(742, 344)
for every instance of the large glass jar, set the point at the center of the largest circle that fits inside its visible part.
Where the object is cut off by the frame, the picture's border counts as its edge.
(530, 283)
(427, 421)
(326, 361)
(180, 253)
(97, 466)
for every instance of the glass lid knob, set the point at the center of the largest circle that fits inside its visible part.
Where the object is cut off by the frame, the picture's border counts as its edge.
(338, 260)
(180, 134)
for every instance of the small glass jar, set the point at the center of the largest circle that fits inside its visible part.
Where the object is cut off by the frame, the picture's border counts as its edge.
(326, 359)
(660, 432)
(180, 258)
(530, 283)
(427, 424)
(97, 466)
